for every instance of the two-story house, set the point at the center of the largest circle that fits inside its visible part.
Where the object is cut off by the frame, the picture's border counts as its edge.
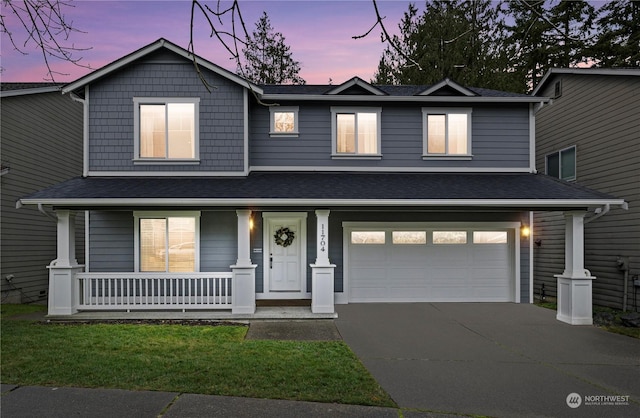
(590, 134)
(206, 201)
(40, 145)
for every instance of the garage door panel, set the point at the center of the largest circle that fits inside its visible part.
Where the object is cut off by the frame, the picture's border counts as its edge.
(426, 271)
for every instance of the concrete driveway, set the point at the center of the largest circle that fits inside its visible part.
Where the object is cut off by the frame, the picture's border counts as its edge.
(493, 359)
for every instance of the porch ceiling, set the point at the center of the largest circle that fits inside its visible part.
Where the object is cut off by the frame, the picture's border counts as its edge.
(512, 190)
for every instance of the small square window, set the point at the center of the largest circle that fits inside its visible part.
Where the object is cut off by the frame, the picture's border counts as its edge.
(283, 121)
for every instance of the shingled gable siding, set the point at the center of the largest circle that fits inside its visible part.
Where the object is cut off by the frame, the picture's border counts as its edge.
(599, 115)
(111, 146)
(500, 139)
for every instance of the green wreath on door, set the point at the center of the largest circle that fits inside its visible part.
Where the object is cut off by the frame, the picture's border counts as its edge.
(284, 237)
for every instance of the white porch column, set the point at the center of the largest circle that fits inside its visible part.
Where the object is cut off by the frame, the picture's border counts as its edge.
(322, 271)
(244, 273)
(575, 283)
(64, 293)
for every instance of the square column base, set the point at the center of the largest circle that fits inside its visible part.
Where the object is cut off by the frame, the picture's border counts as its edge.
(64, 291)
(243, 289)
(575, 300)
(322, 298)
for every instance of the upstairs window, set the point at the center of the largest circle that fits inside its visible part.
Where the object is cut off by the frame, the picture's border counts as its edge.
(355, 132)
(562, 164)
(166, 129)
(284, 121)
(447, 132)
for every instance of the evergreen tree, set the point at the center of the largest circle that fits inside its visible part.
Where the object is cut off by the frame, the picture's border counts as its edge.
(460, 40)
(619, 42)
(266, 57)
(571, 35)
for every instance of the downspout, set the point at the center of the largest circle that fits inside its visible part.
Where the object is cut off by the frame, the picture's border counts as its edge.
(45, 213)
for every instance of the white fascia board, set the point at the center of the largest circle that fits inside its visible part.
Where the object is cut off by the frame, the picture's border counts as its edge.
(411, 99)
(26, 92)
(167, 173)
(634, 72)
(501, 203)
(162, 43)
(369, 169)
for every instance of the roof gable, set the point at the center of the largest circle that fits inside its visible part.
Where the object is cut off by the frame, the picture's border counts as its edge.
(356, 86)
(447, 87)
(549, 75)
(152, 48)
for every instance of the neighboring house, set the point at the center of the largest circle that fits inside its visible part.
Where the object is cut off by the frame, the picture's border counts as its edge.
(343, 193)
(41, 145)
(589, 134)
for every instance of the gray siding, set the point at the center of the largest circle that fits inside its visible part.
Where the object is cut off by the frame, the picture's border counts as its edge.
(218, 240)
(41, 145)
(500, 138)
(111, 144)
(111, 241)
(600, 115)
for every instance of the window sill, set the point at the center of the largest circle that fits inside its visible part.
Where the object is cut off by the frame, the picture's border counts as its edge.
(283, 135)
(447, 157)
(356, 156)
(165, 161)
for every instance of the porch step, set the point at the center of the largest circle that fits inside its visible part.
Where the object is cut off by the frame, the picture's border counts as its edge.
(283, 302)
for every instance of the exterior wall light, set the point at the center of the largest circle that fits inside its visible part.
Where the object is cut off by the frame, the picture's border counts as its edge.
(525, 231)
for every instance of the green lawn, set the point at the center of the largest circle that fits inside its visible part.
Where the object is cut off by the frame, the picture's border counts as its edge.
(213, 360)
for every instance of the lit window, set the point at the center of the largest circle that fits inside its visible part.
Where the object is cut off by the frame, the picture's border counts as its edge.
(449, 237)
(368, 237)
(355, 132)
(489, 237)
(409, 237)
(447, 132)
(167, 244)
(284, 120)
(562, 164)
(166, 129)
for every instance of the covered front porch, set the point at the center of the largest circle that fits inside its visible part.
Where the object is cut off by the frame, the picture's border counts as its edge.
(224, 295)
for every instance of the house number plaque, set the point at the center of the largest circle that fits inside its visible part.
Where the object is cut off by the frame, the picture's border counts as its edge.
(323, 238)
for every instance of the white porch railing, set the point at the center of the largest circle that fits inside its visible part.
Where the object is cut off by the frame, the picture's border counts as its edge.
(154, 291)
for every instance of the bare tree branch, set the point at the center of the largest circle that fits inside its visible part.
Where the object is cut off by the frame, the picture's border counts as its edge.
(45, 25)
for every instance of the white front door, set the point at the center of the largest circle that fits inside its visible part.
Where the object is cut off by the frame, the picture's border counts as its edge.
(285, 254)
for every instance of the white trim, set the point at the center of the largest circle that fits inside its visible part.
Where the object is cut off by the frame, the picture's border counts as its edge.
(167, 173)
(160, 43)
(183, 202)
(532, 139)
(245, 133)
(446, 82)
(29, 91)
(356, 81)
(137, 215)
(293, 109)
(355, 110)
(268, 217)
(87, 241)
(406, 99)
(531, 256)
(378, 169)
(85, 133)
(137, 101)
(512, 227)
(426, 111)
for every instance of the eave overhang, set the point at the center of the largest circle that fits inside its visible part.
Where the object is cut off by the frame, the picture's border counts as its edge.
(405, 99)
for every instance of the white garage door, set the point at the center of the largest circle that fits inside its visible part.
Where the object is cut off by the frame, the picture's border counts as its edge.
(411, 264)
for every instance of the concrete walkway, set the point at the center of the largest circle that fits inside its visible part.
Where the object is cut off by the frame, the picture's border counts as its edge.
(493, 359)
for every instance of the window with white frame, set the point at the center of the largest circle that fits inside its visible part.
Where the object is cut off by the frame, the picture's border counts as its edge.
(562, 164)
(355, 132)
(166, 128)
(167, 242)
(446, 132)
(283, 120)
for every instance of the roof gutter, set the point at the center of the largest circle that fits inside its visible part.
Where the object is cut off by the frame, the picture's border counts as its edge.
(603, 210)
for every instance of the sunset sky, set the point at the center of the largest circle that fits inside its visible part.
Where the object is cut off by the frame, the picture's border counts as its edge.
(318, 32)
